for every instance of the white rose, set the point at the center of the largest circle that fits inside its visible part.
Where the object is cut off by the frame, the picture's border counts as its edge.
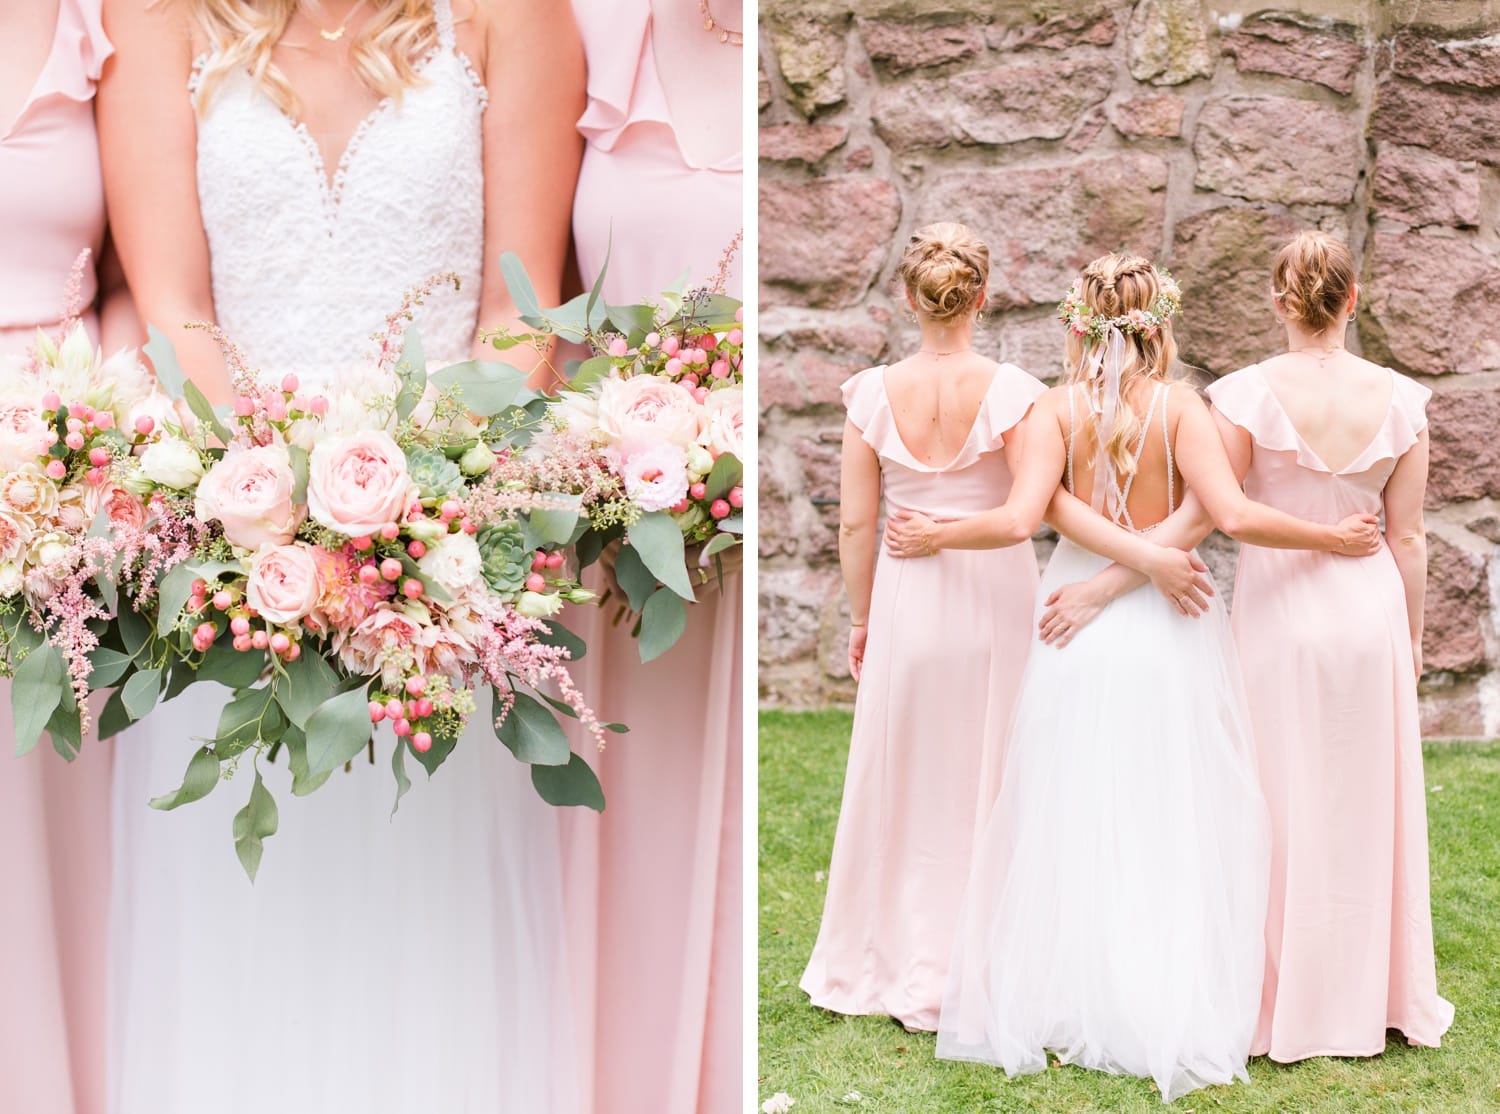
(576, 412)
(453, 563)
(536, 605)
(172, 463)
(724, 419)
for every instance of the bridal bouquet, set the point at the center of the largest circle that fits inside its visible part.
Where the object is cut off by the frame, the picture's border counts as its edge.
(651, 428)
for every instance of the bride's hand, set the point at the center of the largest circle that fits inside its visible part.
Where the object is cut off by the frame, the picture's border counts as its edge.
(1359, 535)
(909, 534)
(857, 637)
(1069, 609)
(1180, 577)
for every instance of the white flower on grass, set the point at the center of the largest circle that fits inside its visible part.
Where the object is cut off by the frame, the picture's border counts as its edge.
(779, 1103)
(851, 1098)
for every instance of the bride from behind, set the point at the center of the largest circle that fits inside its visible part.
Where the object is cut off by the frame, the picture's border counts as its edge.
(1114, 910)
(287, 169)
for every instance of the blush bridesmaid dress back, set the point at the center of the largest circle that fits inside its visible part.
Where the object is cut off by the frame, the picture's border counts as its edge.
(1326, 654)
(948, 639)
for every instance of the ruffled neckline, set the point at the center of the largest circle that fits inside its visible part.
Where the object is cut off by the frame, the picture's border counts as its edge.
(74, 61)
(1247, 399)
(624, 84)
(1006, 401)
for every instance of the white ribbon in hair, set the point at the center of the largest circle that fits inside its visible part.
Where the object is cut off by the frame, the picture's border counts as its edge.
(1102, 376)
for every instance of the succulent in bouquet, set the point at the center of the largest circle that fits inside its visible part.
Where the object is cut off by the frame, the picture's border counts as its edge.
(647, 432)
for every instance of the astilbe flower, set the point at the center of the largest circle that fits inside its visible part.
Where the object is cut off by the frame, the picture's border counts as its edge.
(69, 606)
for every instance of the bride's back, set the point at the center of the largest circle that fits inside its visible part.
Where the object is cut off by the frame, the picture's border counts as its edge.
(1156, 487)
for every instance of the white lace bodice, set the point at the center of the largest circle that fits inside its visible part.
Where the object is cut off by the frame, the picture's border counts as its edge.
(304, 271)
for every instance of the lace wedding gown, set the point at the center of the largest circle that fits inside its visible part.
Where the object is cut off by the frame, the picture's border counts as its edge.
(385, 965)
(1115, 906)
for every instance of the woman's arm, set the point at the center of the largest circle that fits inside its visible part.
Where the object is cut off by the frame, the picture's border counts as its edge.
(1204, 463)
(534, 72)
(119, 326)
(148, 144)
(1406, 534)
(859, 511)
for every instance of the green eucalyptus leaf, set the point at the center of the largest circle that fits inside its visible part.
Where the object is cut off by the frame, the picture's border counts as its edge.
(633, 321)
(518, 282)
(571, 784)
(734, 524)
(135, 628)
(719, 543)
(113, 718)
(65, 729)
(727, 473)
(553, 526)
(485, 387)
(591, 371)
(337, 731)
(303, 782)
(177, 586)
(663, 620)
(36, 691)
(109, 666)
(310, 681)
(204, 411)
(411, 368)
(596, 292)
(199, 781)
(299, 458)
(234, 669)
(254, 823)
(141, 692)
(242, 722)
(437, 754)
(398, 768)
(533, 734)
(657, 539)
(163, 357)
(634, 577)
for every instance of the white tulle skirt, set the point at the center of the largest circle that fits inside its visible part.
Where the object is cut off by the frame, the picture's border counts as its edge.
(379, 964)
(1115, 909)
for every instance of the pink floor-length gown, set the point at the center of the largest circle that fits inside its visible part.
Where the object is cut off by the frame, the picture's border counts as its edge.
(948, 641)
(653, 885)
(54, 816)
(1326, 656)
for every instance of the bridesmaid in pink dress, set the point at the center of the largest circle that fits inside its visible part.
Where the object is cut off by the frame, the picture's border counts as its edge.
(938, 647)
(54, 816)
(653, 885)
(1330, 648)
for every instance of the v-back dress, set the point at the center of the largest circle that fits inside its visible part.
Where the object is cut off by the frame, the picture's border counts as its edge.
(54, 815)
(1326, 654)
(948, 639)
(1115, 907)
(380, 964)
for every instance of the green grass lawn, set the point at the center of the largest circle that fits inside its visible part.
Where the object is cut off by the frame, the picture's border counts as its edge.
(821, 1059)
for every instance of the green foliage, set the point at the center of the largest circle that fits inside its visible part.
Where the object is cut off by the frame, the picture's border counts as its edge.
(36, 690)
(572, 784)
(507, 559)
(532, 733)
(435, 475)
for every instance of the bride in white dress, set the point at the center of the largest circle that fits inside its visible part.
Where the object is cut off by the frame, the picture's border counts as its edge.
(289, 169)
(1115, 904)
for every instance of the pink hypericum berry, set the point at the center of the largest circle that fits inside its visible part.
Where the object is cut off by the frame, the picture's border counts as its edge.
(720, 369)
(74, 440)
(417, 549)
(393, 708)
(412, 589)
(700, 393)
(222, 600)
(242, 642)
(698, 490)
(451, 508)
(674, 367)
(145, 424)
(739, 314)
(364, 541)
(671, 345)
(368, 575)
(280, 643)
(539, 562)
(276, 409)
(294, 651)
(618, 347)
(422, 707)
(402, 726)
(199, 587)
(652, 340)
(416, 686)
(57, 469)
(390, 568)
(736, 336)
(554, 560)
(377, 711)
(468, 526)
(49, 439)
(196, 603)
(95, 476)
(205, 630)
(719, 508)
(104, 420)
(52, 401)
(98, 457)
(736, 497)
(239, 625)
(680, 507)
(318, 405)
(75, 425)
(244, 406)
(201, 644)
(421, 742)
(390, 531)
(689, 380)
(536, 582)
(260, 640)
(290, 383)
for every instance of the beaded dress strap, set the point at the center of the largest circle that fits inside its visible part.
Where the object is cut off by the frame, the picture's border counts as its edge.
(443, 11)
(1166, 440)
(1072, 431)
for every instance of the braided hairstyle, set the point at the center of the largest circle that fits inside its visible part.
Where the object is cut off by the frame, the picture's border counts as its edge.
(1312, 278)
(946, 269)
(1112, 286)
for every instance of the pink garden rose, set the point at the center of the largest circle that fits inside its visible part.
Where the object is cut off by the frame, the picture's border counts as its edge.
(22, 434)
(649, 408)
(283, 583)
(357, 483)
(121, 506)
(724, 424)
(249, 492)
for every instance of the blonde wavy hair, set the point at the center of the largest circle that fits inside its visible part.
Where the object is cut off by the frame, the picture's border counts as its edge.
(1112, 286)
(385, 53)
(945, 269)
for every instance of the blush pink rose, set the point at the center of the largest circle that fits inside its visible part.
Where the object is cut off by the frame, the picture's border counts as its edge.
(724, 422)
(649, 408)
(283, 584)
(357, 483)
(119, 505)
(249, 492)
(22, 434)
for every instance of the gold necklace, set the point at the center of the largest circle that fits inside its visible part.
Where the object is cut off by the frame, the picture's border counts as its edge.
(338, 32)
(1329, 352)
(940, 355)
(733, 38)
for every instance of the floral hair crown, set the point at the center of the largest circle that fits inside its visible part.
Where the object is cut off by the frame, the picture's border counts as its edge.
(1074, 312)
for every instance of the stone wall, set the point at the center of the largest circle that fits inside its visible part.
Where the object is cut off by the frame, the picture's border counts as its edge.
(1199, 137)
